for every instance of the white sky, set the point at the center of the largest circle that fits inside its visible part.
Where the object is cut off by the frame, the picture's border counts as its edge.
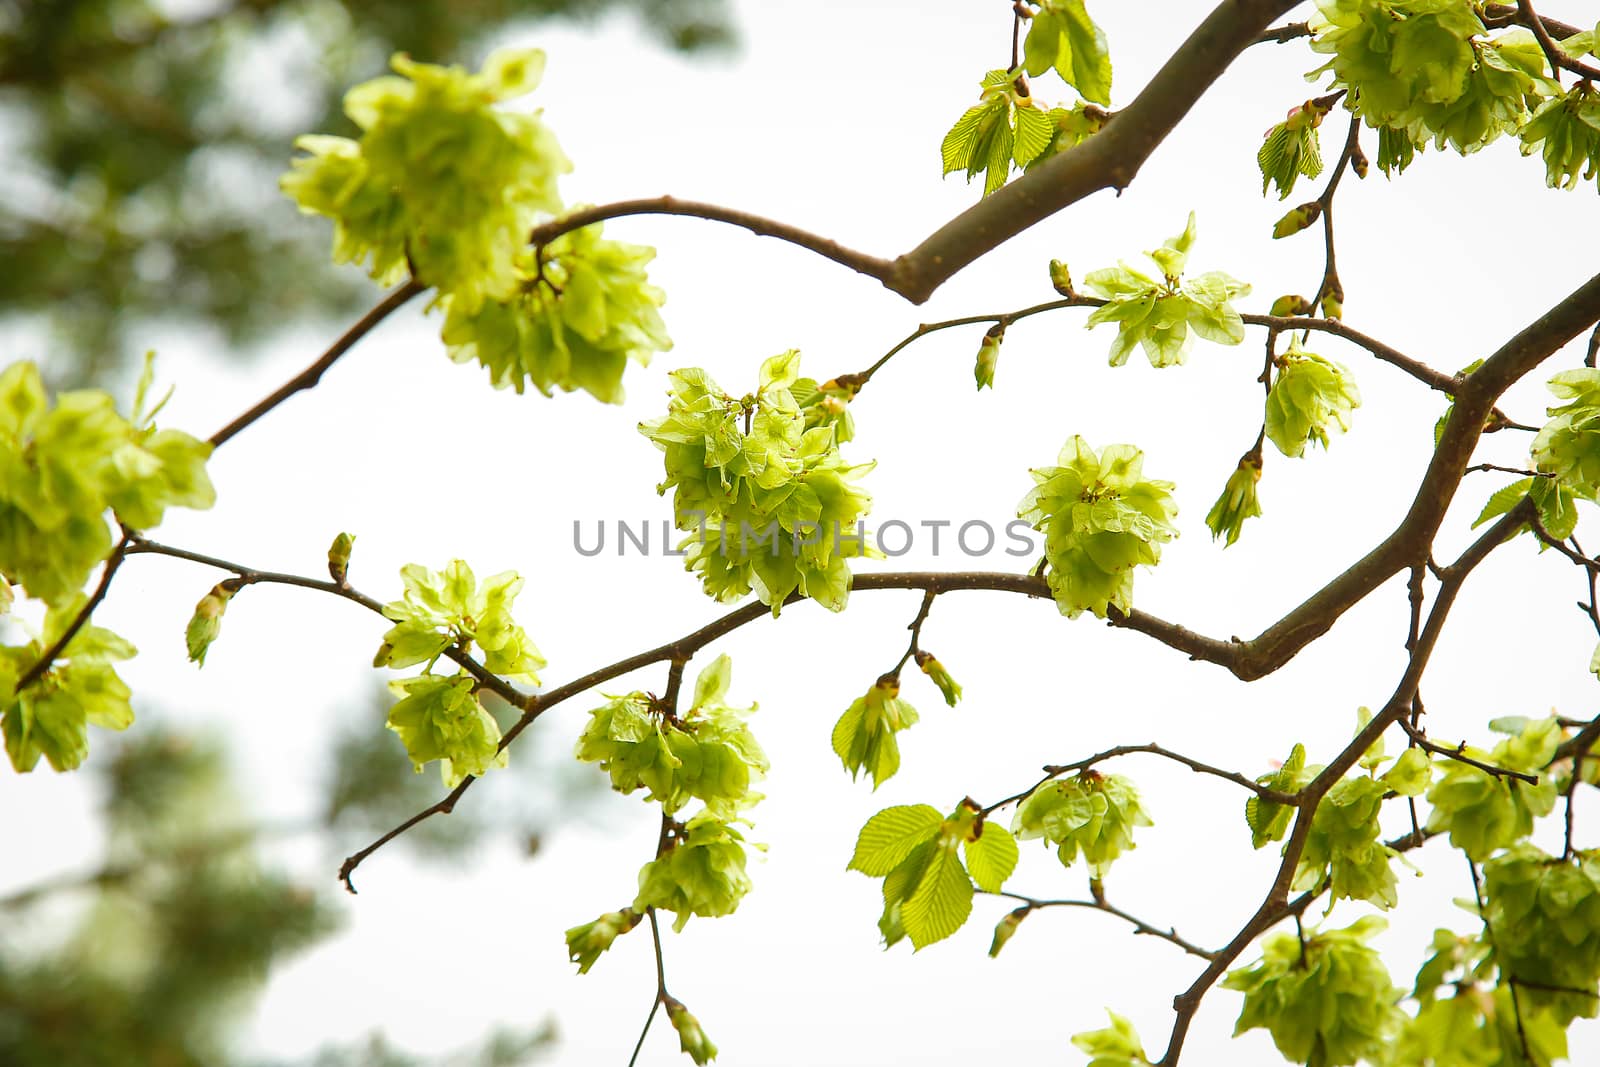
(830, 117)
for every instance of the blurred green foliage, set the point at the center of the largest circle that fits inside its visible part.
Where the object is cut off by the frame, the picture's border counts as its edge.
(154, 956)
(144, 138)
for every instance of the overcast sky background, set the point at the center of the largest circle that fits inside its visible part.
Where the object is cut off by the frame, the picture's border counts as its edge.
(830, 117)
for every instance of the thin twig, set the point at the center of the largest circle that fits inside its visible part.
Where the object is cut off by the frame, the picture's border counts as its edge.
(47, 658)
(1458, 753)
(916, 631)
(1559, 60)
(1265, 793)
(1139, 925)
(1488, 933)
(251, 576)
(309, 377)
(661, 985)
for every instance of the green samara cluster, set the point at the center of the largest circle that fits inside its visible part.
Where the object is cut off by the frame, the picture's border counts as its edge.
(707, 754)
(1162, 314)
(1091, 814)
(68, 470)
(444, 187)
(1101, 517)
(768, 504)
(1421, 71)
(439, 716)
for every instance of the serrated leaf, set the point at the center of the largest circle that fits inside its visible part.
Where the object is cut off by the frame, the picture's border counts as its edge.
(942, 900)
(1502, 501)
(1034, 133)
(991, 857)
(1063, 36)
(892, 835)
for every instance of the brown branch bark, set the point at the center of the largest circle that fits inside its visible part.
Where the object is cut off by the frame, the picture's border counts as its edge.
(1108, 160)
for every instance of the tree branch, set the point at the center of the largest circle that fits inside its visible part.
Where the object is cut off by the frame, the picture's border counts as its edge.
(137, 545)
(48, 657)
(1276, 905)
(1265, 793)
(1108, 160)
(309, 377)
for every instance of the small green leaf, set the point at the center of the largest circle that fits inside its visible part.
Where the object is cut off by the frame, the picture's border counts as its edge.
(991, 856)
(941, 901)
(892, 835)
(1063, 36)
(1411, 773)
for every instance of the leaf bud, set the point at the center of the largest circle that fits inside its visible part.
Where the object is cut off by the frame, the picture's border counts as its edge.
(1290, 304)
(691, 1038)
(206, 623)
(989, 355)
(1297, 219)
(339, 557)
(941, 677)
(1005, 928)
(585, 943)
(1238, 501)
(1061, 278)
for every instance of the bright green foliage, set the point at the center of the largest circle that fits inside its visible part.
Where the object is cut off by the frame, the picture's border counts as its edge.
(1327, 1001)
(1507, 80)
(438, 717)
(206, 623)
(441, 185)
(1101, 517)
(1483, 812)
(1117, 1045)
(989, 355)
(769, 504)
(1292, 148)
(1566, 132)
(1568, 447)
(1342, 852)
(1238, 501)
(1063, 37)
(691, 1038)
(707, 753)
(51, 717)
(941, 677)
(1069, 127)
(1555, 503)
(927, 894)
(863, 738)
(1543, 914)
(1091, 813)
(701, 873)
(1005, 127)
(1269, 821)
(1475, 1026)
(63, 465)
(1581, 44)
(450, 609)
(1309, 396)
(582, 308)
(1159, 314)
(586, 943)
(828, 404)
(1421, 70)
